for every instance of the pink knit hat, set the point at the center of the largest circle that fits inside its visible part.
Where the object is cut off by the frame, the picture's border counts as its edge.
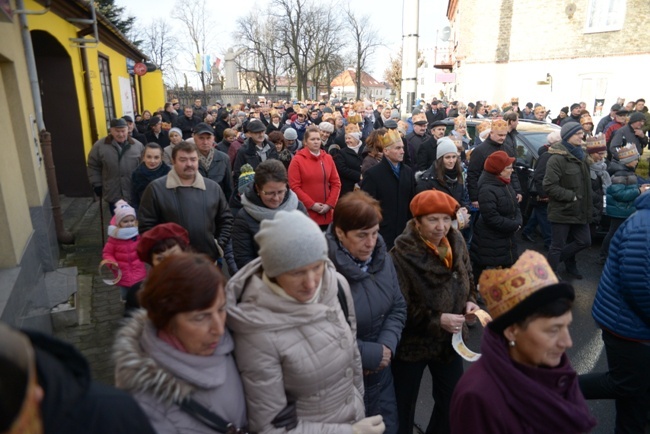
(122, 210)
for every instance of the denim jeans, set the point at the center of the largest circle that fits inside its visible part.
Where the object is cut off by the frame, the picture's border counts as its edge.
(539, 217)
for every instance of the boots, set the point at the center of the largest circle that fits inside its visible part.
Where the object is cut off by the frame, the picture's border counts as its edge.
(572, 268)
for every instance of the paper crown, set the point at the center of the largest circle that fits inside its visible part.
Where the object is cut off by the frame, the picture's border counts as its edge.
(354, 119)
(596, 143)
(327, 116)
(586, 119)
(358, 106)
(499, 126)
(460, 120)
(419, 118)
(514, 99)
(627, 154)
(352, 128)
(273, 113)
(483, 126)
(390, 138)
(503, 289)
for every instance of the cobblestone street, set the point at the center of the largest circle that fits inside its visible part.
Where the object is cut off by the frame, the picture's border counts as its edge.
(99, 306)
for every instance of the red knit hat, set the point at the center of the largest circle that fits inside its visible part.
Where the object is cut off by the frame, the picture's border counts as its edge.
(160, 232)
(497, 161)
(433, 202)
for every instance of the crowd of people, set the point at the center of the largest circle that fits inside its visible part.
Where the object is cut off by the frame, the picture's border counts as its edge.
(357, 245)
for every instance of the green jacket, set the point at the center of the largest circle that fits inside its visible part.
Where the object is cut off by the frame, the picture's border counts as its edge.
(568, 185)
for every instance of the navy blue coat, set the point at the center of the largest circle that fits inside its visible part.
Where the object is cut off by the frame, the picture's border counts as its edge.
(622, 303)
(381, 313)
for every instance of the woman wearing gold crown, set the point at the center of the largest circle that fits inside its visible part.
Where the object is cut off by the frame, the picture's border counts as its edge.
(435, 276)
(523, 382)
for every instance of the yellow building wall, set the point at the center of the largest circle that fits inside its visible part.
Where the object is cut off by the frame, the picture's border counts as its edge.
(153, 90)
(15, 192)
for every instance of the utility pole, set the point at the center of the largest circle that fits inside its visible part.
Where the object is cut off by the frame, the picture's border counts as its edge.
(410, 26)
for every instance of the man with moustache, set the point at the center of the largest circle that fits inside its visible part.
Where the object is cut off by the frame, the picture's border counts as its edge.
(185, 197)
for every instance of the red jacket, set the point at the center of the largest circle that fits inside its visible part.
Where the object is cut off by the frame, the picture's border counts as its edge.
(315, 179)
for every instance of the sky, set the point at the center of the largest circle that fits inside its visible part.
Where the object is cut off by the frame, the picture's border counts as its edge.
(385, 16)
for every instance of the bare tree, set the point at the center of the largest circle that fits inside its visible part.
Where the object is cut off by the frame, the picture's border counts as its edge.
(263, 49)
(161, 45)
(365, 40)
(393, 73)
(197, 22)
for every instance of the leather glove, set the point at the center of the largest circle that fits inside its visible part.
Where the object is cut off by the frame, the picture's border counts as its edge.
(369, 425)
(98, 190)
(287, 418)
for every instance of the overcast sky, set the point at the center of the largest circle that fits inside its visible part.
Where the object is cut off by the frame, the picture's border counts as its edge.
(386, 17)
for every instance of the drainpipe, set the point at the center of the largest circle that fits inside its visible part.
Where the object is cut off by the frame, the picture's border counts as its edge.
(62, 235)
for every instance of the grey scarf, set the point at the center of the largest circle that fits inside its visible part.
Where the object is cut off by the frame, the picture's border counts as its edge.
(260, 213)
(206, 162)
(600, 169)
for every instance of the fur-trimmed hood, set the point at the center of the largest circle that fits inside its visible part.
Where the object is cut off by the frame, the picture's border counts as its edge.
(145, 364)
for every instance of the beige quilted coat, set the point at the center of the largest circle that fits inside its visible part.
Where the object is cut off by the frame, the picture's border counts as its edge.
(304, 351)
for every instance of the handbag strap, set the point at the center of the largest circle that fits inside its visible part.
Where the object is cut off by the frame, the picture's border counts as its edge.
(207, 417)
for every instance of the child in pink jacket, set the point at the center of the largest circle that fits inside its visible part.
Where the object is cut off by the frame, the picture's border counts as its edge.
(121, 247)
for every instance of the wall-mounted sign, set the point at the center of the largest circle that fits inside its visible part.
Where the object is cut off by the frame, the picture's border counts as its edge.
(6, 14)
(140, 68)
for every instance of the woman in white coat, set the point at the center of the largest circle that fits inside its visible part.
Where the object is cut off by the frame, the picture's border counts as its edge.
(292, 338)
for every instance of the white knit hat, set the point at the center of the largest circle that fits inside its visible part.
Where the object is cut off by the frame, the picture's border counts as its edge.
(445, 146)
(288, 242)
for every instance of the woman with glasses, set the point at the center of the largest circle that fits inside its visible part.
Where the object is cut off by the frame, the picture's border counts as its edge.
(494, 244)
(269, 195)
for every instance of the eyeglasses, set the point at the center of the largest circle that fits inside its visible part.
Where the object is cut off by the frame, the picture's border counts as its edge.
(279, 193)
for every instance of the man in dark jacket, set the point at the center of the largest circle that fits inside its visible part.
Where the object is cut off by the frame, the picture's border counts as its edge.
(576, 112)
(156, 134)
(417, 137)
(600, 128)
(133, 131)
(255, 150)
(187, 122)
(630, 133)
(427, 153)
(213, 164)
(220, 125)
(494, 142)
(437, 112)
(46, 386)
(568, 184)
(198, 110)
(392, 183)
(185, 197)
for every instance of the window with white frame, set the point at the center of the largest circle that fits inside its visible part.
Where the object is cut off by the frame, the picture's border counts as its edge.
(605, 16)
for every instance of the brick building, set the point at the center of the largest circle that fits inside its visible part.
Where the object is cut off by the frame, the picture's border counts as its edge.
(554, 52)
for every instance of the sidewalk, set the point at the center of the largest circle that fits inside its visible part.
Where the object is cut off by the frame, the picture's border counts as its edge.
(99, 306)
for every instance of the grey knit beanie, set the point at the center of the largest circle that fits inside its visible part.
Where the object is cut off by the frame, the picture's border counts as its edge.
(445, 146)
(288, 242)
(569, 129)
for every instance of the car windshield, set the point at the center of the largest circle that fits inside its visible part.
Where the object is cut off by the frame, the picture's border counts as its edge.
(537, 140)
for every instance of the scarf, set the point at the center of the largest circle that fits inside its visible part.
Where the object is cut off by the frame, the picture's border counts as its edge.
(600, 170)
(363, 265)
(396, 168)
(262, 152)
(443, 251)
(576, 151)
(506, 181)
(278, 290)
(122, 233)
(206, 161)
(531, 393)
(356, 148)
(260, 212)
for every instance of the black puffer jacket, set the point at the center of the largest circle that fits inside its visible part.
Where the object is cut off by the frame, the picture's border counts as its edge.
(493, 243)
(348, 164)
(452, 187)
(247, 223)
(479, 155)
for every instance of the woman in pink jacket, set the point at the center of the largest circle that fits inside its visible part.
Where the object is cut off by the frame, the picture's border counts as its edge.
(314, 179)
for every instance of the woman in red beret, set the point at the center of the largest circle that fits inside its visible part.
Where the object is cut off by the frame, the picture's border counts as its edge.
(435, 276)
(494, 244)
